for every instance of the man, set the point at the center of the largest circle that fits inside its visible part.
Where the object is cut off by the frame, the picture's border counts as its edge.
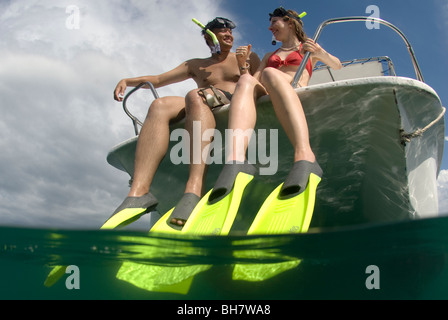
(216, 75)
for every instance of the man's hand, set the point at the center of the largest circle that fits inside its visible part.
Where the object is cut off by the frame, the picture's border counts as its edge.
(119, 90)
(242, 55)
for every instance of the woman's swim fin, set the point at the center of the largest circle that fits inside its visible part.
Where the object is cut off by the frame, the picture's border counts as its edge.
(288, 209)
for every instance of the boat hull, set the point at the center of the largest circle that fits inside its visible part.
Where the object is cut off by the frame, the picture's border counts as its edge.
(370, 173)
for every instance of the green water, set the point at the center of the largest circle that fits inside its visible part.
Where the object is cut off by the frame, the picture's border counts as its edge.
(410, 260)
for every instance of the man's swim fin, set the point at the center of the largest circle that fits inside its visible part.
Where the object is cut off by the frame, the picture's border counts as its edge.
(130, 210)
(182, 211)
(176, 279)
(288, 209)
(215, 213)
(153, 278)
(55, 274)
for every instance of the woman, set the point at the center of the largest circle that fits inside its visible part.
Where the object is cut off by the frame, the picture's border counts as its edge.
(274, 77)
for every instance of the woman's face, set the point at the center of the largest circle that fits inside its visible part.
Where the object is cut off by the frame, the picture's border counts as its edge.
(279, 28)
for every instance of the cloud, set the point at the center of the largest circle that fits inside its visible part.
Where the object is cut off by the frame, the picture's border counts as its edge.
(59, 119)
(442, 186)
(442, 12)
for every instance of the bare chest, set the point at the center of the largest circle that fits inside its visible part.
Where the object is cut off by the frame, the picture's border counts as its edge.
(215, 73)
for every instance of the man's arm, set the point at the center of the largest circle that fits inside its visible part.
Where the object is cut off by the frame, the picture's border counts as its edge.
(254, 62)
(178, 74)
(248, 61)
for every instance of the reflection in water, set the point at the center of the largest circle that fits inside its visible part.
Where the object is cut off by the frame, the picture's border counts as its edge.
(411, 258)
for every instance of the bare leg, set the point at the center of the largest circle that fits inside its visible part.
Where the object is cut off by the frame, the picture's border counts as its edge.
(289, 111)
(196, 110)
(243, 115)
(153, 141)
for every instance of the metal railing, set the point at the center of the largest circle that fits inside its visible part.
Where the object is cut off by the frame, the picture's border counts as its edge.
(386, 63)
(135, 120)
(299, 72)
(318, 32)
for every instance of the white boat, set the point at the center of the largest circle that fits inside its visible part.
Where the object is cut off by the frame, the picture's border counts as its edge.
(378, 137)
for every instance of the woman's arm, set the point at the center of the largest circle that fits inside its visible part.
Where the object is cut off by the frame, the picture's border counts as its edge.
(319, 54)
(263, 64)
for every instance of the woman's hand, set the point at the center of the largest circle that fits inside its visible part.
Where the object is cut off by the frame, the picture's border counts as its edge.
(313, 47)
(318, 53)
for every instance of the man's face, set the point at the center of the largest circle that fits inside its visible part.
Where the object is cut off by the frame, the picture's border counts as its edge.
(224, 36)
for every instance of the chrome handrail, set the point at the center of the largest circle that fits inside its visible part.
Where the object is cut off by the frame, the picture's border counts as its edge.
(390, 66)
(417, 70)
(134, 119)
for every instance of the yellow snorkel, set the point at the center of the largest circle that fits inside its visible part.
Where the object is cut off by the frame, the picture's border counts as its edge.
(217, 47)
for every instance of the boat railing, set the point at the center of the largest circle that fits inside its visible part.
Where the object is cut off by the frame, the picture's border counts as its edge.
(353, 69)
(318, 32)
(301, 68)
(135, 120)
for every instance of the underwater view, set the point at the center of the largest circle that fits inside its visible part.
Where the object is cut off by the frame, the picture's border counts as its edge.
(400, 260)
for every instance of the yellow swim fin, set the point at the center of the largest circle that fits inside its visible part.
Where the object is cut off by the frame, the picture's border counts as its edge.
(288, 209)
(162, 224)
(176, 279)
(292, 215)
(55, 274)
(213, 215)
(182, 210)
(216, 212)
(131, 209)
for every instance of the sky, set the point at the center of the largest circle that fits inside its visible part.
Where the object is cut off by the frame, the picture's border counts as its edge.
(61, 59)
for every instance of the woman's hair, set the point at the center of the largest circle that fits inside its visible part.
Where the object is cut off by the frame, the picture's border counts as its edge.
(298, 25)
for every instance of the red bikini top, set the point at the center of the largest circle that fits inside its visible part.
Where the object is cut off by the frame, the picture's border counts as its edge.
(293, 59)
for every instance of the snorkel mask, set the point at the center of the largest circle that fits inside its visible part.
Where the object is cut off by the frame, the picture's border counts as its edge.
(282, 12)
(218, 22)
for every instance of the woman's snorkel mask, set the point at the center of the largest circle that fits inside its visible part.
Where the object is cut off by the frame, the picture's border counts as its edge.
(215, 23)
(282, 12)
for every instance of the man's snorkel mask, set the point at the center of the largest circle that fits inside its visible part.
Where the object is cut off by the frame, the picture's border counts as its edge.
(282, 12)
(218, 22)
